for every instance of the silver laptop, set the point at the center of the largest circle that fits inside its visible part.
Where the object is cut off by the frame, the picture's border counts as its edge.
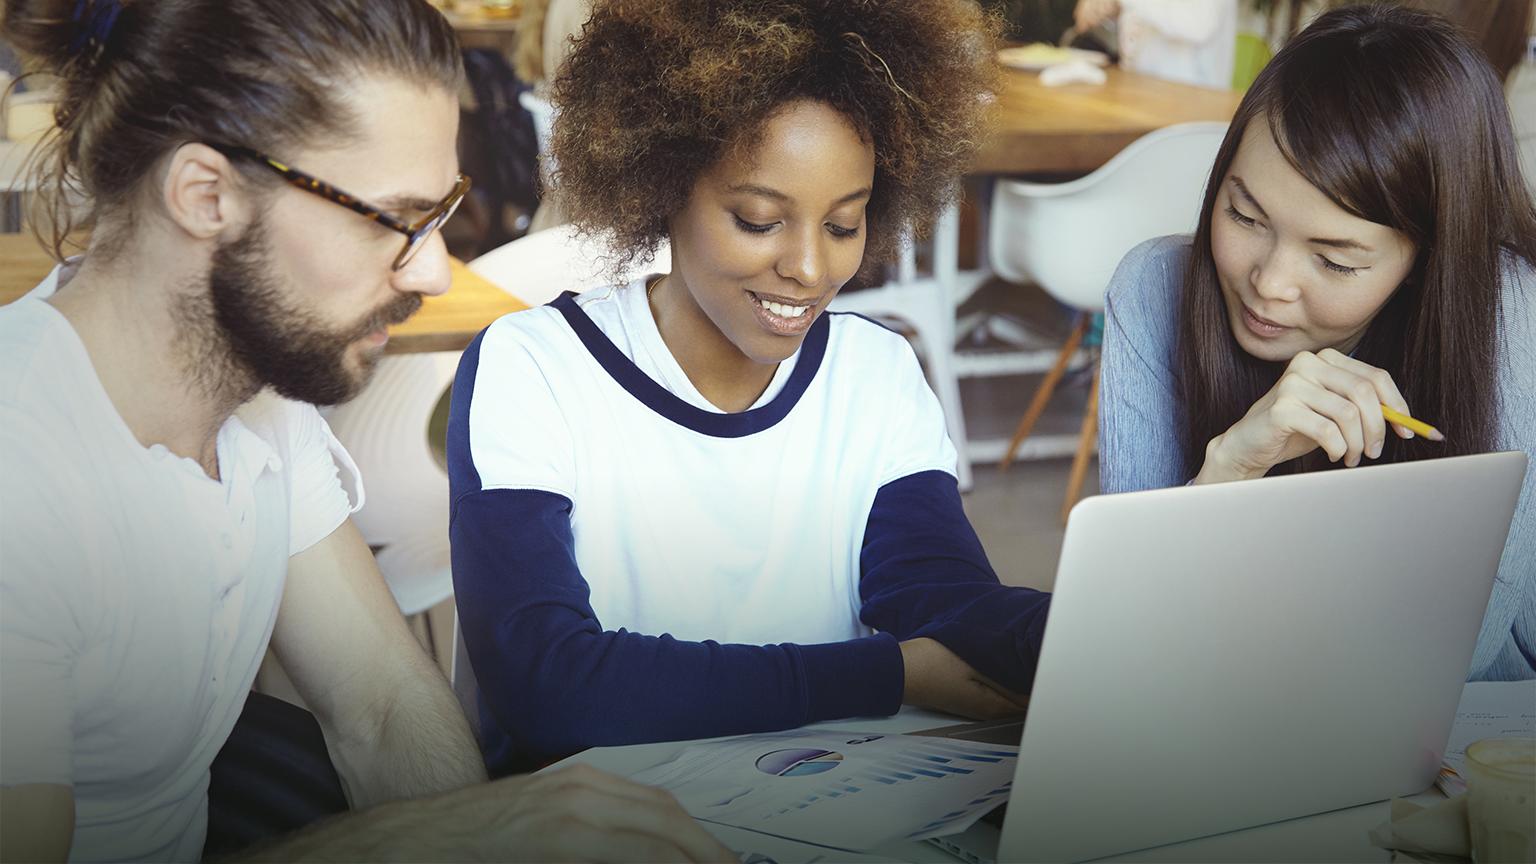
(1224, 656)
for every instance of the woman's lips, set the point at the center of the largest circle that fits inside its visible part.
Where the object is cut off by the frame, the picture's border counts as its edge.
(1263, 327)
(782, 315)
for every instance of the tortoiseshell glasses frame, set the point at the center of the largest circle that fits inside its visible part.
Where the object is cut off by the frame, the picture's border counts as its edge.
(416, 233)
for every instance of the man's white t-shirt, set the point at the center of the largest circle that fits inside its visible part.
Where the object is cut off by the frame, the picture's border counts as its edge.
(137, 594)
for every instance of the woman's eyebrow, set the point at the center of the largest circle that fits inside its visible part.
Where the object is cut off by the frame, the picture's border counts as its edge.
(1336, 243)
(1242, 189)
(776, 195)
(1341, 244)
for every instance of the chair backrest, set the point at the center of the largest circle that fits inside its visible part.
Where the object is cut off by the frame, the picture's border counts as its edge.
(538, 267)
(1070, 237)
(385, 431)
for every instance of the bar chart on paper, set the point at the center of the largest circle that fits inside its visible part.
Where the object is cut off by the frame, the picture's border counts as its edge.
(835, 789)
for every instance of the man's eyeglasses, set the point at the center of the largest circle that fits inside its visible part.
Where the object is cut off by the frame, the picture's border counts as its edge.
(416, 234)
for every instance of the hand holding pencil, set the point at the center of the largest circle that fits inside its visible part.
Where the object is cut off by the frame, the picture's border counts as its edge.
(1412, 425)
(1326, 400)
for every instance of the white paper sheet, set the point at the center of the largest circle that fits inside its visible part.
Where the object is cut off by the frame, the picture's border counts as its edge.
(753, 847)
(1488, 709)
(845, 790)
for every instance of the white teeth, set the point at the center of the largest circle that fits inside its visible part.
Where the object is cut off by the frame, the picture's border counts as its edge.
(782, 310)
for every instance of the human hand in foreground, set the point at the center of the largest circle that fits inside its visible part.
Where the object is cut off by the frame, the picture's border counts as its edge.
(1327, 400)
(938, 680)
(583, 814)
(578, 814)
(1090, 13)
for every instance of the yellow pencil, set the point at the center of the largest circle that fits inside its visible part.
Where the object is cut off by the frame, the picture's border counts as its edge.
(1418, 426)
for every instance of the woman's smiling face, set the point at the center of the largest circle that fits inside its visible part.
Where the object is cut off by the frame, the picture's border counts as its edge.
(767, 238)
(1297, 271)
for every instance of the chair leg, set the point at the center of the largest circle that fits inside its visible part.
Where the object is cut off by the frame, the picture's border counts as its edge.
(1047, 387)
(1085, 443)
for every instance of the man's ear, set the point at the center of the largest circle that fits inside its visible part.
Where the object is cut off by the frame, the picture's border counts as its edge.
(204, 194)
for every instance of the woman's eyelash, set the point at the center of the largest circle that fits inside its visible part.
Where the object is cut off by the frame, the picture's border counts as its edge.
(1238, 217)
(752, 227)
(1329, 265)
(840, 231)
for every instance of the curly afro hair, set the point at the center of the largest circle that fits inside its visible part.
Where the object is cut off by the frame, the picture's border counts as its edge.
(655, 90)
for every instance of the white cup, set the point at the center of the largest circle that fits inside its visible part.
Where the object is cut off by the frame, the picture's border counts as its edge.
(1501, 800)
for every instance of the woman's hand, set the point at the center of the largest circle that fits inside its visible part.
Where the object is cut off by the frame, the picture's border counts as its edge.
(1326, 400)
(938, 680)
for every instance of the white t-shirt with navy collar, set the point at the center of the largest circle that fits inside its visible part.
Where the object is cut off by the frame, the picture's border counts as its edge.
(633, 564)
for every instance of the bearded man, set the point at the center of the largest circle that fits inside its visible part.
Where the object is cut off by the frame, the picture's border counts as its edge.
(171, 500)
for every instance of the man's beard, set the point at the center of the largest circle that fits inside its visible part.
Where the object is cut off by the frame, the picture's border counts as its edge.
(283, 346)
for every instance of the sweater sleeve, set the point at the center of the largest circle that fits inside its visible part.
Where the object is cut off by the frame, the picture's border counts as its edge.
(924, 573)
(1141, 430)
(556, 681)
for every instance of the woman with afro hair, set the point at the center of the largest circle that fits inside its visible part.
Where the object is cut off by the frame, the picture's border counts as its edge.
(699, 504)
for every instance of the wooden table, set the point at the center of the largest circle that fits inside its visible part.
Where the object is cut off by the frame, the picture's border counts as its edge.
(23, 264)
(445, 323)
(1079, 127)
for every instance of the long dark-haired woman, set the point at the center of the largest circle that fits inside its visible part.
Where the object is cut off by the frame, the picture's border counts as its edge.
(681, 505)
(1367, 241)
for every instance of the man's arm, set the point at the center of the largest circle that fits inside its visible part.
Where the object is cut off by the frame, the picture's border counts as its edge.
(578, 814)
(395, 732)
(392, 725)
(37, 822)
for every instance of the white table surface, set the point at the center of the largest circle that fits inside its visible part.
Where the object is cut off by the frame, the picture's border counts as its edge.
(1336, 836)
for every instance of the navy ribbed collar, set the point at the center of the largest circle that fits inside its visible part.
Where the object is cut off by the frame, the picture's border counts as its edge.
(670, 406)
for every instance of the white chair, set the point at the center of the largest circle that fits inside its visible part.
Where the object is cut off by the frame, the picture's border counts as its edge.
(536, 268)
(927, 305)
(1070, 237)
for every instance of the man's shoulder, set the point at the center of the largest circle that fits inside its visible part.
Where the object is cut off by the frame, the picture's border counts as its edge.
(275, 418)
(28, 339)
(47, 384)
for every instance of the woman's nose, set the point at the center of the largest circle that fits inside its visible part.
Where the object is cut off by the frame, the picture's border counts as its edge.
(1275, 276)
(804, 261)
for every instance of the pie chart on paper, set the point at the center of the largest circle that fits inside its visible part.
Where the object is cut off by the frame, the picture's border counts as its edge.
(798, 763)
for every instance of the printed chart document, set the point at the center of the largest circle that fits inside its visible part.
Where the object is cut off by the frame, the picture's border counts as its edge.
(840, 789)
(1488, 709)
(754, 848)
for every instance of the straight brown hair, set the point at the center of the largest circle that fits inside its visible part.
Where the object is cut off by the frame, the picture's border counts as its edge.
(1395, 117)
